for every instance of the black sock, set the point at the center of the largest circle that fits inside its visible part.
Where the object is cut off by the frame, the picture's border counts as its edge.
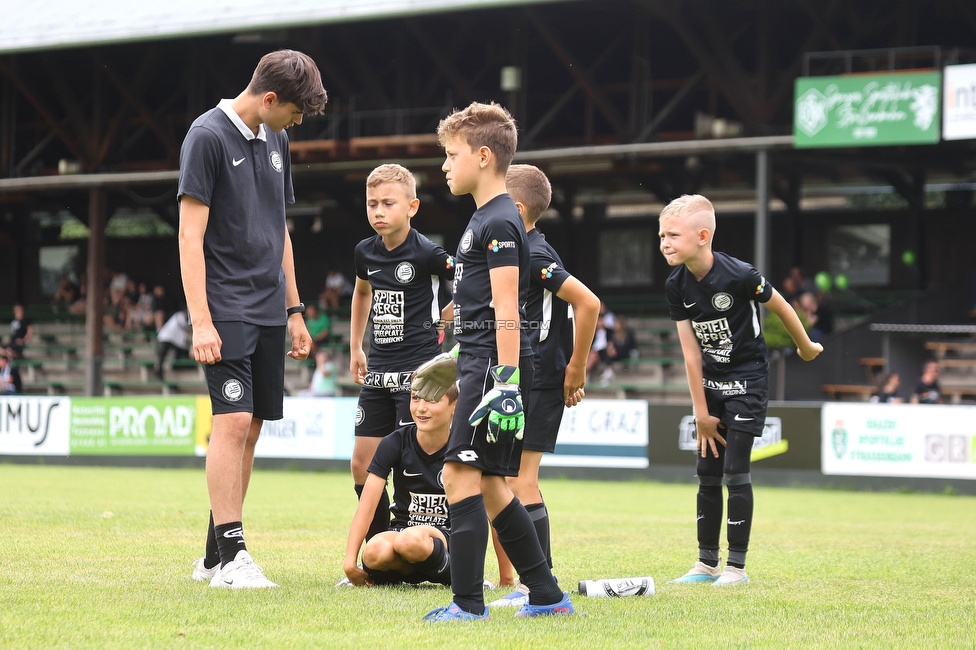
(469, 543)
(381, 516)
(517, 536)
(739, 525)
(212, 556)
(230, 540)
(709, 520)
(439, 561)
(540, 518)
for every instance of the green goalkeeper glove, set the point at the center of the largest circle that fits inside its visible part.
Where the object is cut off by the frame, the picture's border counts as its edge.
(433, 378)
(503, 407)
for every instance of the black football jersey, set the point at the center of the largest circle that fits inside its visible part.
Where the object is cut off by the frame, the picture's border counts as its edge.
(411, 284)
(418, 480)
(495, 237)
(549, 319)
(724, 312)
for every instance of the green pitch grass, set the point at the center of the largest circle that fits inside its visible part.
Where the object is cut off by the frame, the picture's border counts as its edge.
(100, 557)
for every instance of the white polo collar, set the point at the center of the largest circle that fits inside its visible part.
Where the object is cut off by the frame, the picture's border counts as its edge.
(226, 106)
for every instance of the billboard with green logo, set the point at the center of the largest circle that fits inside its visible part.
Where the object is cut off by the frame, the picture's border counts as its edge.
(867, 110)
(137, 426)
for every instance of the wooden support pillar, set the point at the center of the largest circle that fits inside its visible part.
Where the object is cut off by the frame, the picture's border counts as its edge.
(95, 307)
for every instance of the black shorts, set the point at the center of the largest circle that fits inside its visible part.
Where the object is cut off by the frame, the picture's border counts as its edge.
(543, 419)
(740, 405)
(469, 445)
(250, 376)
(380, 410)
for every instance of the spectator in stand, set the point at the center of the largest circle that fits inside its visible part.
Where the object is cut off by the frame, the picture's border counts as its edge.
(175, 335)
(162, 306)
(116, 311)
(65, 296)
(21, 331)
(622, 344)
(819, 316)
(887, 389)
(80, 305)
(140, 316)
(319, 326)
(928, 390)
(336, 286)
(10, 383)
(323, 379)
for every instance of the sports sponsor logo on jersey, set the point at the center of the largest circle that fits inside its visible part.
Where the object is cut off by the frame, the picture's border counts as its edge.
(275, 158)
(547, 272)
(762, 286)
(727, 388)
(232, 390)
(496, 245)
(391, 380)
(722, 301)
(427, 509)
(404, 272)
(388, 316)
(466, 241)
(448, 262)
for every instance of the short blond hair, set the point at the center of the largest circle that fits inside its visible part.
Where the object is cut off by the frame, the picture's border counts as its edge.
(528, 185)
(483, 125)
(394, 173)
(688, 204)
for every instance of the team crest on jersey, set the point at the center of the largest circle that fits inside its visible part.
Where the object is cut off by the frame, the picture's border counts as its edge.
(466, 241)
(360, 415)
(233, 390)
(722, 301)
(404, 272)
(276, 161)
(440, 478)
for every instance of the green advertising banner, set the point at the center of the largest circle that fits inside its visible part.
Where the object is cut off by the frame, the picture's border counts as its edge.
(134, 426)
(867, 110)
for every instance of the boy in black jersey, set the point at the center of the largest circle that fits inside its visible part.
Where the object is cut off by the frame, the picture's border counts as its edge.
(238, 273)
(714, 300)
(414, 550)
(403, 290)
(494, 370)
(556, 301)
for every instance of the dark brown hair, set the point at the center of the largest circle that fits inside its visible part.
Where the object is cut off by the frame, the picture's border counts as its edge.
(294, 77)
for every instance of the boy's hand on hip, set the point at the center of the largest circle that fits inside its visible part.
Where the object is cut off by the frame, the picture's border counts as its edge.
(502, 405)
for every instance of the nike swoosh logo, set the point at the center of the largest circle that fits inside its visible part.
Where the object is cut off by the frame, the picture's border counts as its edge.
(689, 306)
(368, 272)
(739, 418)
(403, 424)
(406, 473)
(238, 162)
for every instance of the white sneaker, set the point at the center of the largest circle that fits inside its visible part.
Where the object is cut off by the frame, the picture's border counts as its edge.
(517, 598)
(345, 582)
(731, 576)
(701, 572)
(202, 573)
(241, 573)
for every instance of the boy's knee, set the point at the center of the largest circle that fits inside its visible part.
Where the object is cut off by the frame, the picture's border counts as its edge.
(378, 553)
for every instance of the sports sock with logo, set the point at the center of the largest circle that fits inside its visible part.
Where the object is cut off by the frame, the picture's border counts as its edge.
(518, 537)
(381, 516)
(438, 560)
(469, 543)
(230, 540)
(739, 525)
(212, 556)
(540, 519)
(709, 520)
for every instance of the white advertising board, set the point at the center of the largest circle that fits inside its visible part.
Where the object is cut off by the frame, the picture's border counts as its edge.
(959, 102)
(930, 441)
(34, 425)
